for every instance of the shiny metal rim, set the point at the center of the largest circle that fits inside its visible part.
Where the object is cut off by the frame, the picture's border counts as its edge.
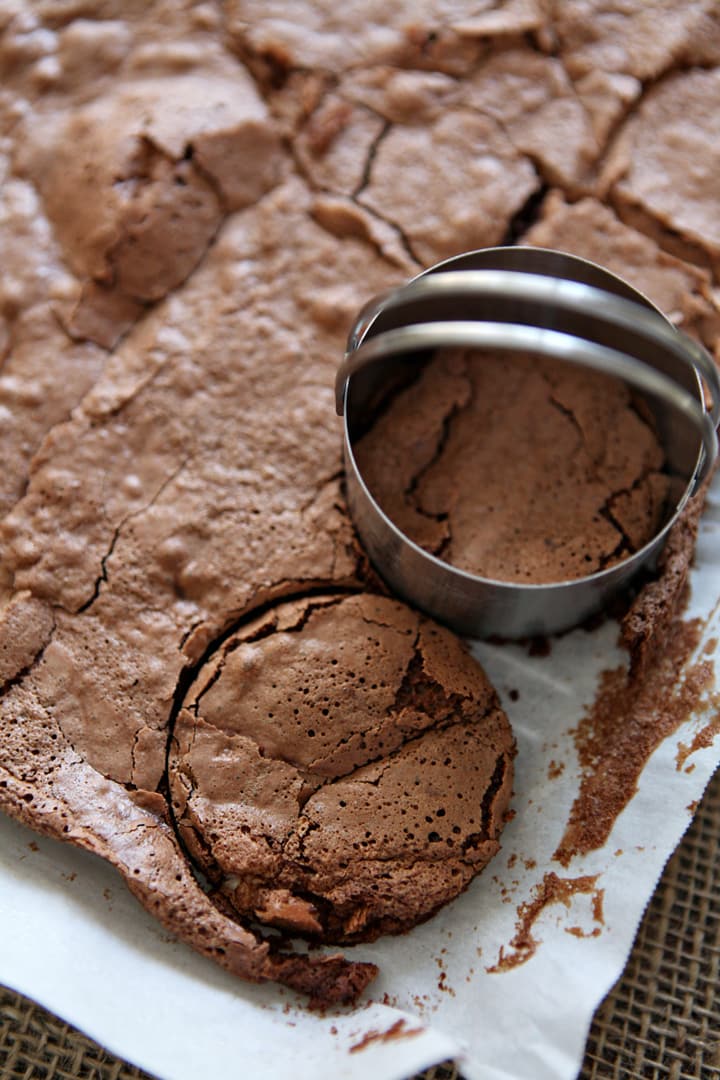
(552, 343)
(536, 289)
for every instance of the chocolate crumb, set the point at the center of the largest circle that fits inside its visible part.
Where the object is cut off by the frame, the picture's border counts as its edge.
(551, 890)
(701, 740)
(398, 1030)
(629, 718)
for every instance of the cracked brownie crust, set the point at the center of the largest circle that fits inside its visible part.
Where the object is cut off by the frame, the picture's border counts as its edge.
(196, 199)
(341, 768)
(566, 475)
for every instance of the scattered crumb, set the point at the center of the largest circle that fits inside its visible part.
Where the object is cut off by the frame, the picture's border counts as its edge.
(551, 890)
(577, 931)
(398, 1030)
(629, 718)
(701, 740)
(421, 1002)
(598, 901)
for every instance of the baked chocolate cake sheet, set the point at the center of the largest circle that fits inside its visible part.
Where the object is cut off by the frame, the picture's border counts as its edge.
(196, 202)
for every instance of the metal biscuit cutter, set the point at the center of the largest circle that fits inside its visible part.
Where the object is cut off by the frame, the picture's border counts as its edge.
(551, 304)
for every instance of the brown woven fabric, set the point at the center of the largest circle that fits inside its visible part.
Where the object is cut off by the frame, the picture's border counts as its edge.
(35, 1045)
(661, 1021)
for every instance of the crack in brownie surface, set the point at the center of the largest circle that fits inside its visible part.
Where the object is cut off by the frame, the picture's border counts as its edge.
(516, 468)
(664, 165)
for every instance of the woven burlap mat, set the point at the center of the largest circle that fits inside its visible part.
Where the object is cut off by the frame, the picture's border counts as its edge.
(660, 1022)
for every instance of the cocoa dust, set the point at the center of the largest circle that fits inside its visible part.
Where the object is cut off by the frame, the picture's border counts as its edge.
(629, 718)
(551, 890)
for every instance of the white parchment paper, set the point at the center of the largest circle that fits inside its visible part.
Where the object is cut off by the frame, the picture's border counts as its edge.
(75, 940)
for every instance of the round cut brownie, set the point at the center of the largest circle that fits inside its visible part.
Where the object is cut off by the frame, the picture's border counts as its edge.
(341, 768)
